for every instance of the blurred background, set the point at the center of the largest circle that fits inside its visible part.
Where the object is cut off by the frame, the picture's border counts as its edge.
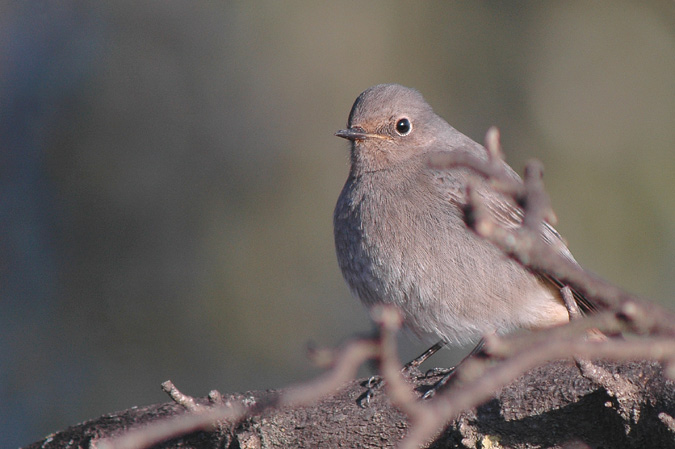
(168, 173)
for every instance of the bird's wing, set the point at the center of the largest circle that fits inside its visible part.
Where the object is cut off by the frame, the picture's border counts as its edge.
(508, 216)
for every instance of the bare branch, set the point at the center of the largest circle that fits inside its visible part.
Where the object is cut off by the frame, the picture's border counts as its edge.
(525, 245)
(179, 398)
(200, 417)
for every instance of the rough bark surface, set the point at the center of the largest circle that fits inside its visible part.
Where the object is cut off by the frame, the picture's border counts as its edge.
(549, 407)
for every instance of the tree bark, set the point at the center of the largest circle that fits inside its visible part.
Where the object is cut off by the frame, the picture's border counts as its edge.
(553, 406)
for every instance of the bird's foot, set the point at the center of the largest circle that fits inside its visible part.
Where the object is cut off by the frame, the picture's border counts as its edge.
(373, 384)
(442, 382)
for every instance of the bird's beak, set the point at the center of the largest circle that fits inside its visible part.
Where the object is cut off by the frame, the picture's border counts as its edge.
(357, 133)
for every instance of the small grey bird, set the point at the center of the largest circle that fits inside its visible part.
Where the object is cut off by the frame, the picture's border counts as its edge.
(400, 234)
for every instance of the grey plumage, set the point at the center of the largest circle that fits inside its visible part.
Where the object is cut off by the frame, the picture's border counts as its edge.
(401, 238)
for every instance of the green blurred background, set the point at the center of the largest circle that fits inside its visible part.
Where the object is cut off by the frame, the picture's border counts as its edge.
(168, 172)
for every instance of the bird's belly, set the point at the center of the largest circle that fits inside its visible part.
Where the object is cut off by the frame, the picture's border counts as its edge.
(459, 289)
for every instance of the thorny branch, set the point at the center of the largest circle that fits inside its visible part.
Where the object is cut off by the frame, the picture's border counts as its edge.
(504, 358)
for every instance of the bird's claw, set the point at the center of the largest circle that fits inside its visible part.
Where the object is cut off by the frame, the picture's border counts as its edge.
(373, 383)
(431, 392)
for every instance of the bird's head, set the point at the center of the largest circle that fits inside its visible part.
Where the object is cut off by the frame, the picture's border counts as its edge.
(389, 124)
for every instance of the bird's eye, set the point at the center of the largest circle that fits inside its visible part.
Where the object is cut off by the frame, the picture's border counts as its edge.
(403, 127)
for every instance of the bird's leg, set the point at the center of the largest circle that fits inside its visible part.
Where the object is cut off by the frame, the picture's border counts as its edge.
(415, 363)
(449, 372)
(376, 382)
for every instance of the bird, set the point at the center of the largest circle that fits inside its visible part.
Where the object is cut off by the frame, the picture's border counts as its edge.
(401, 238)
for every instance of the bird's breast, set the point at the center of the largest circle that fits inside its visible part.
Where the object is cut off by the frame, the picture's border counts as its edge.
(385, 236)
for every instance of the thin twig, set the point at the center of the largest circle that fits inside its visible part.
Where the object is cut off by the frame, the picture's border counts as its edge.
(179, 398)
(668, 420)
(525, 245)
(346, 364)
(400, 392)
